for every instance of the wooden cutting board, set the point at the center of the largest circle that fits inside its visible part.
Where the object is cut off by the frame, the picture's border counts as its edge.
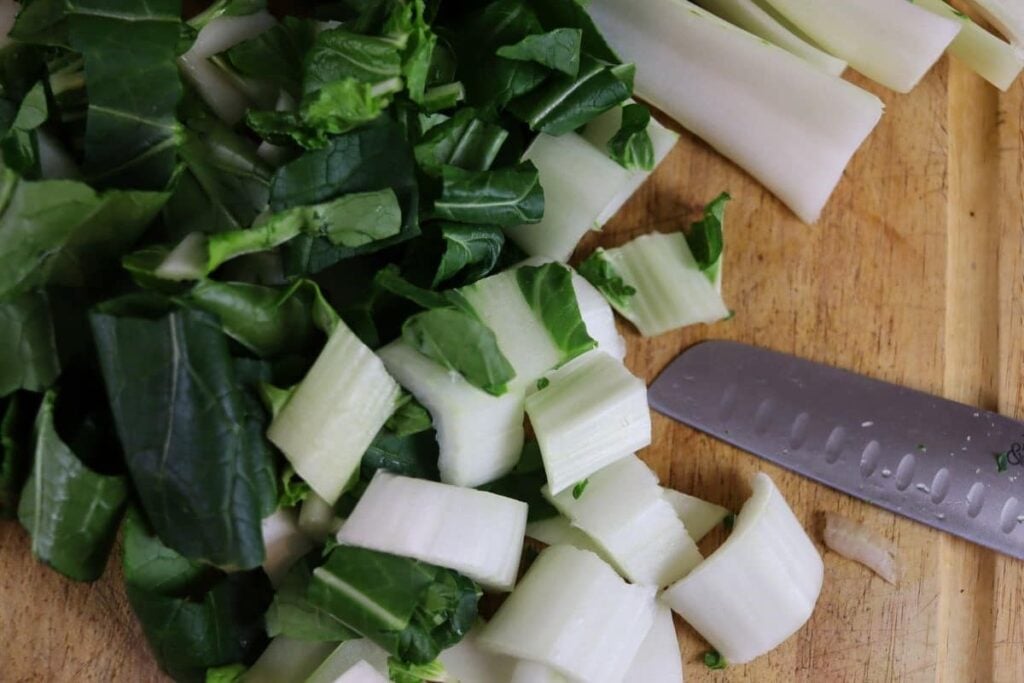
(915, 274)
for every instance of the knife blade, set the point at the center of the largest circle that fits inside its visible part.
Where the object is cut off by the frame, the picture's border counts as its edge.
(918, 455)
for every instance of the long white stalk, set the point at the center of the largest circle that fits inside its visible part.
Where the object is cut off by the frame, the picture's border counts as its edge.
(750, 16)
(1006, 15)
(759, 587)
(790, 125)
(892, 42)
(990, 57)
(477, 533)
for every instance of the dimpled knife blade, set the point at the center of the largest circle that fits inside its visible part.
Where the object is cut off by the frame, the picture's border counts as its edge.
(921, 456)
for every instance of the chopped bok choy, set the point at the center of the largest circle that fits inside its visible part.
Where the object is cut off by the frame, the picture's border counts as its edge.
(583, 186)
(698, 516)
(476, 533)
(573, 613)
(759, 587)
(787, 123)
(317, 518)
(559, 531)
(993, 59)
(285, 543)
(354, 661)
(750, 16)
(287, 659)
(360, 672)
(1006, 15)
(656, 283)
(658, 660)
(892, 42)
(467, 662)
(588, 414)
(480, 436)
(535, 672)
(331, 418)
(623, 511)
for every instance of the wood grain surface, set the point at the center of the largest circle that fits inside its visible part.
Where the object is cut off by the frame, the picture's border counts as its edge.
(915, 274)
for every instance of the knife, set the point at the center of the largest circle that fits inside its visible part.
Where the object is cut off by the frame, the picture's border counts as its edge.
(921, 456)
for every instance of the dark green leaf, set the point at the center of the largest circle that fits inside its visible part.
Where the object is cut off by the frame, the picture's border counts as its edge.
(525, 482)
(549, 291)
(411, 609)
(563, 103)
(409, 418)
(29, 359)
(554, 14)
(19, 146)
(390, 280)
(276, 55)
(558, 49)
(460, 342)
(631, 146)
(504, 197)
(714, 660)
(194, 618)
(705, 236)
(15, 449)
(293, 615)
(600, 272)
(411, 455)
(63, 232)
(373, 158)
(197, 457)
(728, 521)
(469, 251)
(130, 51)
(42, 22)
(229, 673)
(463, 141)
(71, 512)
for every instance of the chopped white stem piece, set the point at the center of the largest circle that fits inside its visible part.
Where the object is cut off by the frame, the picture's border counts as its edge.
(362, 672)
(333, 415)
(560, 531)
(790, 125)
(477, 533)
(572, 612)
(499, 303)
(858, 543)
(286, 659)
(467, 662)
(658, 660)
(759, 587)
(698, 516)
(590, 413)
(599, 318)
(583, 186)
(893, 42)
(348, 655)
(535, 672)
(225, 32)
(317, 519)
(993, 59)
(750, 16)
(285, 543)
(1006, 15)
(671, 290)
(621, 508)
(480, 436)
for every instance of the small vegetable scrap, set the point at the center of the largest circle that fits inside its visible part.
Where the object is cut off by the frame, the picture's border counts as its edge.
(856, 542)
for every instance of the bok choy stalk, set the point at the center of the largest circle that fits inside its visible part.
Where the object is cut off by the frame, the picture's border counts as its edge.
(759, 587)
(354, 661)
(1006, 15)
(573, 613)
(331, 418)
(589, 413)
(791, 126)
(750, 16)
(892, 42)
(623, 511)
(476, 533)
(656, 283)
(285, 543)
(560, 531)
(583, 186)
(467, 661)
(698, 516)
(658, 659)
(480, 436)
(535, 672)
(360, 672)
(287, 659)
(993, 59)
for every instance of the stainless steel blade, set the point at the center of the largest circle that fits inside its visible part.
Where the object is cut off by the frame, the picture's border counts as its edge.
(919, 455)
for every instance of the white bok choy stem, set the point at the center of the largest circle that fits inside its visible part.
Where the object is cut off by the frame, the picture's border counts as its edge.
(1006, 15)
(346, 656)
(285, 543)
(589, 413)
(287, 659)
(583, 186)
(787, 123)
(477, 533)
(535, 672)
(573, 613)
(698, 516)
(361, 672)
(892, 42)
(750, 16)
(317, 519)
(333, 415)
(759, 587)
(467, 661)
(559, 531)
(621, 508)
(659, 659)
(990, 57)
(480, 436)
